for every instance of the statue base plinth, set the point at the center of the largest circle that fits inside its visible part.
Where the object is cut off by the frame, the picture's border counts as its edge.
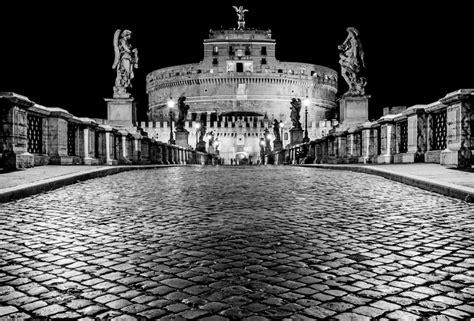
(201, 147)
(353, 109)
(277, 145)
(182, 138)
(296, 136)
(121, 112)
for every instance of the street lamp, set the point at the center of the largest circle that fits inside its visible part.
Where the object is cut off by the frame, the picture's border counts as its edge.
(170, 104)
(262, 150)
(306, 103)
(197, 126)
(282, 124)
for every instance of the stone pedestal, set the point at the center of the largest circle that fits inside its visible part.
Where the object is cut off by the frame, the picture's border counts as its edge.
(296, 136)
(354, 109)
(277, 145)
(121, 112)
(460, 128)
(201, 147)
(13, 132)
(182, 138)
(57, 137)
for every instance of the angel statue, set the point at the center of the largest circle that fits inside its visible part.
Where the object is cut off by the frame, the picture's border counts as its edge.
(241, 15)
(295, 113)
(276, 130)
(183, 112)
(126, 59)
(351, 59)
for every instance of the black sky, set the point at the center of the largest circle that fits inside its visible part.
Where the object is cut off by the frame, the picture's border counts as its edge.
(60, 54)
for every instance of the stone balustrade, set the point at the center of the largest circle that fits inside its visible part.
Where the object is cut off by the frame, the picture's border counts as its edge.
(33, 135)
(441, 132)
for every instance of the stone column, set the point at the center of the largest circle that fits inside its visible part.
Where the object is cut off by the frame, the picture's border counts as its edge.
(57, 136)
(165, 157)
(341, 156)
(123, 156)
(13, 132)
(145, 154)
(460, 129)
(136, 147)
(417, 140)
(365, 157)
(172, 159)
(176, 155)
(87, 131)
(388, 139)
(109, 159)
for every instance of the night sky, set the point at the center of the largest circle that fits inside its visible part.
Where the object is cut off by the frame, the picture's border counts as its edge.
(61, 54)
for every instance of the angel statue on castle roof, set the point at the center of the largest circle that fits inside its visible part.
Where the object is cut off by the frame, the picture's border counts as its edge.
(241, 15)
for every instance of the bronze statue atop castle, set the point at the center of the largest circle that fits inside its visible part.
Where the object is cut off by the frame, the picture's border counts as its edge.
(241, 16)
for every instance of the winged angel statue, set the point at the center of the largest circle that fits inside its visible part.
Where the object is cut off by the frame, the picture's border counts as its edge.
(241, 15)
(126, 59)
(351, 59)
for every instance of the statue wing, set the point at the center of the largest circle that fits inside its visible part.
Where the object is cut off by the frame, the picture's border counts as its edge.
(116, 48)
(236, 9)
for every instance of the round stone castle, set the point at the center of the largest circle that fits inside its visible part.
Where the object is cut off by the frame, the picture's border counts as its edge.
(238, 90)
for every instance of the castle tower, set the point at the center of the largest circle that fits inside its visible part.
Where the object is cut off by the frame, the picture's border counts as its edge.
(238, 89)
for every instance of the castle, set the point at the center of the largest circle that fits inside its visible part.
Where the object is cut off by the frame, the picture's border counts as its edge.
(237, 91)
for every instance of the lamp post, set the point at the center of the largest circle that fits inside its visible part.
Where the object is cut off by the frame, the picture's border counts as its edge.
(262, 151)
(268, 137)
(282, 124)
(170, 104)
(306, 103)
(197, 126)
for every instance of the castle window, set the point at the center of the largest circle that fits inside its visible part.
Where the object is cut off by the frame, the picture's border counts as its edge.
(199, 71)
(215, 51)
(264, 61)
(231, 51)
(247, 51)
(280, 71)
(240, 67)
(264, 51)
(214, 61)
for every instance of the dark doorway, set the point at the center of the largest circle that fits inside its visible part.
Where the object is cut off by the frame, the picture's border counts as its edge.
(240, 67)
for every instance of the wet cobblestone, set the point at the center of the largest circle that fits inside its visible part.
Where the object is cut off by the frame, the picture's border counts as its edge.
(253, 243)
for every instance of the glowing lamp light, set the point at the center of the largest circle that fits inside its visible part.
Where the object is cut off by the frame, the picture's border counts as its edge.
(269, 136)
(170, 103)
(262, 143)
(282, 124)
(197, 125)
(306, 102)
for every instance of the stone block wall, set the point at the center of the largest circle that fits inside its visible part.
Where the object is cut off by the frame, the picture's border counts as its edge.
(59, 137)
(441, 132)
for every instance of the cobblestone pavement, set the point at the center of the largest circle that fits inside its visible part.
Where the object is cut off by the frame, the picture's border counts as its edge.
(254, 243)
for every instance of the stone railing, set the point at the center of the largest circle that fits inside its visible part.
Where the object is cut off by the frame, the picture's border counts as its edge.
(32, 135)
(441, 132)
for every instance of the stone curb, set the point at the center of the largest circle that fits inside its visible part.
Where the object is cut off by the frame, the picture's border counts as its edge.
(457, 191)
(24, 190)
